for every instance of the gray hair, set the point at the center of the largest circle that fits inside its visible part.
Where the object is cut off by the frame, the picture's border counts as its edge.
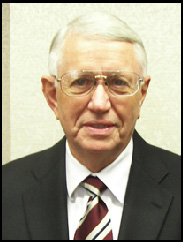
(96, 26)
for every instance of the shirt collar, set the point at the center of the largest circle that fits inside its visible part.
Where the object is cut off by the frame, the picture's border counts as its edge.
(115, 176)
(75, 171)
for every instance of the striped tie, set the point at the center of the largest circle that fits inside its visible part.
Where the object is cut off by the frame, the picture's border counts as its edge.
(96, 224)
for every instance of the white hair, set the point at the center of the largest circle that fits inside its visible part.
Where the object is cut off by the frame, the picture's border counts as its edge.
(96, 26)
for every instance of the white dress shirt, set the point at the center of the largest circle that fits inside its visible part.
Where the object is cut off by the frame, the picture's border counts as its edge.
(115, 177)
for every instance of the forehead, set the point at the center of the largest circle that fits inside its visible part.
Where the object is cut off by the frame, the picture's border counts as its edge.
(95, 54)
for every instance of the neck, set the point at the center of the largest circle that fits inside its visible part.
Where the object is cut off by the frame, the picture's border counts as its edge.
(95, 161)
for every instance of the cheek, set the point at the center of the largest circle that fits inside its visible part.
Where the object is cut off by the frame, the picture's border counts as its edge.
(127, 110)
(69, 110)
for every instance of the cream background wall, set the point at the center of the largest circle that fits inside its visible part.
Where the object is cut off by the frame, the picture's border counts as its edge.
(5, 82)
(33, 125)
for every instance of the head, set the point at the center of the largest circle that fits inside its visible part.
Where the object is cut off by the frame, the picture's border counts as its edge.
(99, 122)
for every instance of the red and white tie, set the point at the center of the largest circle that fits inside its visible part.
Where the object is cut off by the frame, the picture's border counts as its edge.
(96, 223)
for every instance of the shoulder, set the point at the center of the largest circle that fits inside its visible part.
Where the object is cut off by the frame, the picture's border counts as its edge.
(157, 161)
(170, 160)
(150, 150)
(20, 169)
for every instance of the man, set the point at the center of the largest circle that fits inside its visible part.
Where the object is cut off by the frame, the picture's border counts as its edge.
(96, 87)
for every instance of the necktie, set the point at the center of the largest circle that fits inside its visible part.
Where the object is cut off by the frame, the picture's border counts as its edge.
(96, 224)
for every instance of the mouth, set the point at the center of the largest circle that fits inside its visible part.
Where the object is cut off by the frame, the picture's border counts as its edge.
(99, 127)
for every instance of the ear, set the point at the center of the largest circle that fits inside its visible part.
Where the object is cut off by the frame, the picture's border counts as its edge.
(49, 91)
(143, 89)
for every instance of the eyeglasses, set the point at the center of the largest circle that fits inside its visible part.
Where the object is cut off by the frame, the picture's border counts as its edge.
(81, 83)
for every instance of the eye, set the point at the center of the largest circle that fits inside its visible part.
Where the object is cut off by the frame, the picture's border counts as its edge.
(119, 82)
(80, 82)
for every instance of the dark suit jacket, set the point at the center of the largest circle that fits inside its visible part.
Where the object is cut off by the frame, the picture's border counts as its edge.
(35, 196)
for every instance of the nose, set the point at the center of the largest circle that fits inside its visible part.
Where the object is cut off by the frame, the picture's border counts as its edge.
(99, 102)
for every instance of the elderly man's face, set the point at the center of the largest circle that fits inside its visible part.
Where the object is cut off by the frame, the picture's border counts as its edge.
(99, 121)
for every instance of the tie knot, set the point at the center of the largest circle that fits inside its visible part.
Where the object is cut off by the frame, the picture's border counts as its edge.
(94, 185)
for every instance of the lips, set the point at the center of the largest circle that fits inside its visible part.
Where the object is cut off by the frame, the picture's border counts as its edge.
(99, 128)
(99, 124)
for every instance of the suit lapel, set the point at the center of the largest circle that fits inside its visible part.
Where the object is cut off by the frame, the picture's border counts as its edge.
(46, 202)
(146, 202)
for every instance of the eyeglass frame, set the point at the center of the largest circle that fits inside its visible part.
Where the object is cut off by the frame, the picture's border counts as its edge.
(139, 81)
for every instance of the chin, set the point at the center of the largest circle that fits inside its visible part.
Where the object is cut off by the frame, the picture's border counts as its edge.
(97, 146)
